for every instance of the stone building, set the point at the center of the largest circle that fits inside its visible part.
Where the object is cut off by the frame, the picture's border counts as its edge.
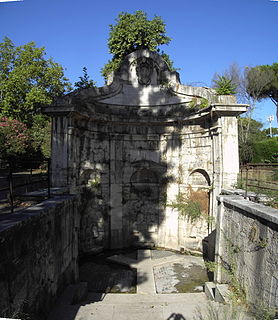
(133, 146)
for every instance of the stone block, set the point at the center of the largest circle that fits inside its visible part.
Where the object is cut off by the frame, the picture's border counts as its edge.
(210, 290)
(222, 293)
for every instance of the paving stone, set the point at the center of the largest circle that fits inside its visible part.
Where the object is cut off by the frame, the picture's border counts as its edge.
(158, 254)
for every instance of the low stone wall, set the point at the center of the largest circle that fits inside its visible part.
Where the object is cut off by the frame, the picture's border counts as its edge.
(246, 246)
(38, 250)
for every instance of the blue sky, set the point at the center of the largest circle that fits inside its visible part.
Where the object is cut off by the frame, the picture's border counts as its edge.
(207, 36)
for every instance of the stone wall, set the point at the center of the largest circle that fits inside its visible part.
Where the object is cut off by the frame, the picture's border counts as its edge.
(138, 143)
(246, 243)
(131, 174)
(39, 249)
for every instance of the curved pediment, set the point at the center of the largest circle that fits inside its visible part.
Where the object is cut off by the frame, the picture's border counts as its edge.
(147, 81)
(143, 86)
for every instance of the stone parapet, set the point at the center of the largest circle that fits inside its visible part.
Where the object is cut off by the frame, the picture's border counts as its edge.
(39, 250)
(246, 248)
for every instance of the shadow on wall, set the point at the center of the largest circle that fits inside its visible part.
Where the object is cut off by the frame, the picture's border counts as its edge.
(141, 188)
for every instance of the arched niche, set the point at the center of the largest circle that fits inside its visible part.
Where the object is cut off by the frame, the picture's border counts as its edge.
(144, 175)
(199, 178)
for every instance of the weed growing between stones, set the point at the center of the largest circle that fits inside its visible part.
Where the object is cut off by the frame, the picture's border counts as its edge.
(234, 312)
(219, 312)
(193, 205)
(228, 267)
(198, 103)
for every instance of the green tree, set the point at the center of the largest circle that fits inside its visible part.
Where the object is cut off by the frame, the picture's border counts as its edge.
(263, 83)
(257, 145)
(266, 150)
(273, 130)
(40, 136)
(27, 80)
(240, 82)
(249, 132)
(85, 81)
(14, 138)
(133, 32)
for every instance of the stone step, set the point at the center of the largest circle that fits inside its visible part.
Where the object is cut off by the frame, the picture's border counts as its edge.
(222, 293)
(117, 298)
(210, 290)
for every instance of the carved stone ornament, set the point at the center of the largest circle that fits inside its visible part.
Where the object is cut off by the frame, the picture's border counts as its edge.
(144, 70)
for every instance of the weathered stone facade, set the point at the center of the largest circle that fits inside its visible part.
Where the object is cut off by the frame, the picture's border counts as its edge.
(39, 250)
(137, 143)
(246, 246)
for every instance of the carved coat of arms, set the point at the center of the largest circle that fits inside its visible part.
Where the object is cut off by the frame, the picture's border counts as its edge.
(144, 70)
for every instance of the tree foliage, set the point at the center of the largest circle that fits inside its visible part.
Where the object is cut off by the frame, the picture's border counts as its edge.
(40, 135)
(266, 150)
(241, 80)
(224, 85)
(249, 131)
(27, 80)
(14, 138)
(133, 32)
(257, 145)
(85, 81)
(263, 83)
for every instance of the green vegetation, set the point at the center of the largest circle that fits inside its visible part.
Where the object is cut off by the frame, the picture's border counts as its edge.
(192, 205)
(85, 81)
(260, 187)
(200, 103)
(27, 81)
(224, 85)
(220, 312)
(266, 150)
(229, 268)
(133, 32)
(187, 207)
(14, 138)
(263, 83)
(263, 312)
(255, 145)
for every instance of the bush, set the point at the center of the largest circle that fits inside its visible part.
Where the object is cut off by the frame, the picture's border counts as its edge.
(266, 150)
(14, 138)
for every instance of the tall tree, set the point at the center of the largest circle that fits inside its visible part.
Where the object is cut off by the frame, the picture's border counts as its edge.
(249, 132)
(133, 32)
(27, 80)
(85, 81)
(262, 83)
(248, 87)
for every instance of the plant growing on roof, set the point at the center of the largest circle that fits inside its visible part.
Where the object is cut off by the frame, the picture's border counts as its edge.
(224, 86)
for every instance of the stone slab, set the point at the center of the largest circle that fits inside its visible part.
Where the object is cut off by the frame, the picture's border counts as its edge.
(222, 293)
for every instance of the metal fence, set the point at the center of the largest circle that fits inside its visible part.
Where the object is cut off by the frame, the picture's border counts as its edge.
(259, 176)
(19, 181)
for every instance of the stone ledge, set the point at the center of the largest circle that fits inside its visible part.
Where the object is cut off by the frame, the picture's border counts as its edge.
(256, 209)
(222, 293)
(210, 290)
(10, 220)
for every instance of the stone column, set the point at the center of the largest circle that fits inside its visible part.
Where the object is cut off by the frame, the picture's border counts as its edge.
(230, 156)
(59, 156)
(116, 207)
(219, 240)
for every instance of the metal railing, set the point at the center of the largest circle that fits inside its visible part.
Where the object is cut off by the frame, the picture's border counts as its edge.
(21, 181)
(259, 176)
